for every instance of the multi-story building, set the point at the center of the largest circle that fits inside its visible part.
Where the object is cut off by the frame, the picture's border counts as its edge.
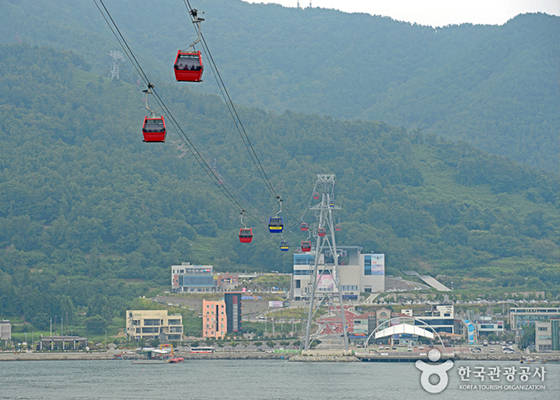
(153, 324)
(358, 272)
(521, 316)
(214, 319)
(365, 324)
(233, 312)
(222, 316)
(438, 317)
(5, 330)
(486, 325)
(547, 335)
(192, 278)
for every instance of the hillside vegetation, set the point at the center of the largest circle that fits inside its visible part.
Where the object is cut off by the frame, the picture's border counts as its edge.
(495, 87)
(91, 217)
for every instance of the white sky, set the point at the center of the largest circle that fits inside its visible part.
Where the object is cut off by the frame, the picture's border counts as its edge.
(435, 12)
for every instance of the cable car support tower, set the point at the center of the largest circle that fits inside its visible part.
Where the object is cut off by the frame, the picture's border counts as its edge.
(320, 295)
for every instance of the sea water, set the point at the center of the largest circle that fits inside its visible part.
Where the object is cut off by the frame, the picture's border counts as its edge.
(265, 379)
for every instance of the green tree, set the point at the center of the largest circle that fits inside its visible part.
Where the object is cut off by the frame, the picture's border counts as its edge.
(96, 325)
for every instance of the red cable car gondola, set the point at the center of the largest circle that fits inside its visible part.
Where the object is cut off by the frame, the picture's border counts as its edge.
(188, 66)
(245, 235)
(188, 63)
(321, 232)
(306, 246)
(154, 130)
(337, 227)
(304, 227)
(315, 196)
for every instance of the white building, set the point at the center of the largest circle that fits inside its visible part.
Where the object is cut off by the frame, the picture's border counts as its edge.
(5, 330)
(439, 317)
(486, 326)
(153, 324)
(358, 272)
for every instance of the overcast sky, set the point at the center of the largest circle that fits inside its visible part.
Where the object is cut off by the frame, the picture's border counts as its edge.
(435, 12)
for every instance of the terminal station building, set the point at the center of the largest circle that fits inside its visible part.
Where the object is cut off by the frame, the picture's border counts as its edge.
(358, 273)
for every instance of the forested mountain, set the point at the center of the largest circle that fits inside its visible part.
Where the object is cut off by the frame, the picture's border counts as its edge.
(90, 216)
(495, 87)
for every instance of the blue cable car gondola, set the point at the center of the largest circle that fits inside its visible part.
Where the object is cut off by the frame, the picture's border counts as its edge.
(275, 225)
(331, 204)
(284, 245)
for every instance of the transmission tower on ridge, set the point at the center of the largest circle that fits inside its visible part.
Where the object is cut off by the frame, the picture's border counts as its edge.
(325, 289)
(117, 57)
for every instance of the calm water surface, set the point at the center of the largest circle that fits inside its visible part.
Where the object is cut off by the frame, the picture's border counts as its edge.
(251, 380)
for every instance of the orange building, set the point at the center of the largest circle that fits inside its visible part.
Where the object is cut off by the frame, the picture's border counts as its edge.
(214, 322)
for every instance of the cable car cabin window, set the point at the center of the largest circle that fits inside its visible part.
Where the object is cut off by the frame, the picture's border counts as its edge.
(154, 130)
(154, 125)
(188, 62)
(275, 224)
(188, 67)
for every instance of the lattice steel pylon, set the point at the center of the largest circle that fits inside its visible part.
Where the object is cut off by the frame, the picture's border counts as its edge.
(117, 57)
(328, 292)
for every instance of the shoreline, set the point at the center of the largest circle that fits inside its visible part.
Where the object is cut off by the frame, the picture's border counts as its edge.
(113, 354)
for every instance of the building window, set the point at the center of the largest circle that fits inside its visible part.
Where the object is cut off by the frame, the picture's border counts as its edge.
(298, 284)
(367, 265)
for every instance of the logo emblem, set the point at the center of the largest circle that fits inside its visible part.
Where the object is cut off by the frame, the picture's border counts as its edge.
(434, 369)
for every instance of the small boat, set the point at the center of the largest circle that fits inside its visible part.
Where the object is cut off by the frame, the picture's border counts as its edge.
(176, 360)
(528, 360)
